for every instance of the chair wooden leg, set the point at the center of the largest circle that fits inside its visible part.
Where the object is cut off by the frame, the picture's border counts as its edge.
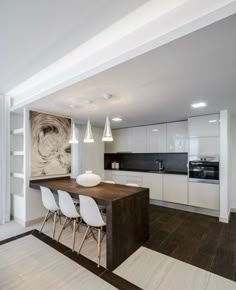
(62, 228)
(84, 237)
(74, 231)
(54, 224)
(44, 221)
(99, 247)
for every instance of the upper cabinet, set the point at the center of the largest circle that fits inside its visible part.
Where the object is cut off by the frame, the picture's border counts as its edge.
(139, 139)
(177, 137)
(156, 138)
(204, 126)
(122, 141)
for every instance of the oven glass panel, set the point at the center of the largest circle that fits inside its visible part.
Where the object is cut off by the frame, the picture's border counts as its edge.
(204, 170)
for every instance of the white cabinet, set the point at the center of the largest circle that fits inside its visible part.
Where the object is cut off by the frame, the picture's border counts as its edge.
(119, 177)
(154, 182)
(139, 139)
(177, 137)
(207, 146)
(204, 126)
(107, 175)
(156, 138)
(122, 141)
(175, 188)
(204, 195)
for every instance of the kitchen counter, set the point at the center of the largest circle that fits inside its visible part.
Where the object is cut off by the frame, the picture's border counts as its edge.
(124, 235)
(151, 171)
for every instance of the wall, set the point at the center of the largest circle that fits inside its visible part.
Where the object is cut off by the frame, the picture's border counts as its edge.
(232, 166)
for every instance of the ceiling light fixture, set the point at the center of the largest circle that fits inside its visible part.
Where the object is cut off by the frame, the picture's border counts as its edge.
(199, 105)
(107, 134)
(155, 130)
(73, 139)
(88, 137)
(117, 119)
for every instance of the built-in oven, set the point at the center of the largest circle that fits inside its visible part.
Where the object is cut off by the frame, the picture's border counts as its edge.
(204, 169)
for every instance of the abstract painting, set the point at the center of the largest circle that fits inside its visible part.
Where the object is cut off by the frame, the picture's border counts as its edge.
(50, 147)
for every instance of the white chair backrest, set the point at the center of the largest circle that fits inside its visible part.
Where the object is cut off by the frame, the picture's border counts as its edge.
(132, 184)
(66, 204)
(90, 212)
(48, 199)
(109, 181)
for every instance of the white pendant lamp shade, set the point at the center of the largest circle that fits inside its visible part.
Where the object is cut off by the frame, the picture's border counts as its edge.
(88, 137)
(107, 134)
(73, 139)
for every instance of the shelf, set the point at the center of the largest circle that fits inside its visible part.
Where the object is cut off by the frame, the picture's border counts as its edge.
(18, 194)
(17, 153)
(18, 175)
(19, 131)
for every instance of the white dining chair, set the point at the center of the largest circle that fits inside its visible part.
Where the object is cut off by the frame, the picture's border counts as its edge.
(109, 181)
(132, 184)
(92, 217)
(50, 204)
(68, 209)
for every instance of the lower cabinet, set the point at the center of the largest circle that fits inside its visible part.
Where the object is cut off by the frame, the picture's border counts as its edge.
(154, 182)
(175, 188)
(204, 195)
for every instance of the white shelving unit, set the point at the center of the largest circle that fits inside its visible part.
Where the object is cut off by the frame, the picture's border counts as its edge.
(17, 166)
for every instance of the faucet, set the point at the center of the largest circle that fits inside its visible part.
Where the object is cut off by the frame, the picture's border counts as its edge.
(160, 165)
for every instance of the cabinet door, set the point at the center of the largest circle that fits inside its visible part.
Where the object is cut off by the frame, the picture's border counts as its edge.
(107, 175)
(177, 137)
(207, 146)
(139, 139)
(154, 182)
(123, 140)
(156, 138)
(204, 126)
(110, 147)
(175, 188)
(204, 195)
(119, 177)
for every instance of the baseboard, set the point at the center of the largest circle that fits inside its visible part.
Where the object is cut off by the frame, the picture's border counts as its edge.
(186, 207)
(33, 222)
(27, 223)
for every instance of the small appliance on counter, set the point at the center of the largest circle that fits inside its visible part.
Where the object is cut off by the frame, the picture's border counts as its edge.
(115, 165)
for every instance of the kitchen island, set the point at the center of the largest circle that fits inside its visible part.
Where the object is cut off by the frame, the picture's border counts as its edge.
(126, 209)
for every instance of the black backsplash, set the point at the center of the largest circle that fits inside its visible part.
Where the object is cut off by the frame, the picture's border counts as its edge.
(147, 161)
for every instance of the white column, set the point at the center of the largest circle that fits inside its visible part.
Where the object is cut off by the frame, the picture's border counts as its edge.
(224, 167)
(4, 159)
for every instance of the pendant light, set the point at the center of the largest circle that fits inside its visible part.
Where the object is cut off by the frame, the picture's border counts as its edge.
(73, 139)
(107, 134)
(88, 137)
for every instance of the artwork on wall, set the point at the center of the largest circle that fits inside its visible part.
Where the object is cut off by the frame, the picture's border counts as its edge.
(50, 147)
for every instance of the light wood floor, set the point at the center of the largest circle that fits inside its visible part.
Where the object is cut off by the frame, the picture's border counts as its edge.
(28, 263)
(146, 268)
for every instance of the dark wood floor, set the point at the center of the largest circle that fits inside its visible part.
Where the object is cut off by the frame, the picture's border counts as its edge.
(196, 239)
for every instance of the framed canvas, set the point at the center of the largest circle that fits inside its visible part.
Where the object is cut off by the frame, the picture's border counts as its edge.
(50, 147)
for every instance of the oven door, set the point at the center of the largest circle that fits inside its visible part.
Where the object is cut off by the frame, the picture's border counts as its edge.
(204, 171)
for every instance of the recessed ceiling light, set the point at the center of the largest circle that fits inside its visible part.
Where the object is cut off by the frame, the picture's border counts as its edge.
(199, 105)
(155, 130)
(212, 121)
(116, 119)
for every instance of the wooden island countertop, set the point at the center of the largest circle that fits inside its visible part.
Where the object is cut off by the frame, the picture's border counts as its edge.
(126, 210)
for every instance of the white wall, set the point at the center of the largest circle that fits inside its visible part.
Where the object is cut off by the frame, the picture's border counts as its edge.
(232, 157)
(91, 155)
(224, 167)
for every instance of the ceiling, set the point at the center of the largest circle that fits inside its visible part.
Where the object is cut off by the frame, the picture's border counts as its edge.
(161, 85)
(30, 40)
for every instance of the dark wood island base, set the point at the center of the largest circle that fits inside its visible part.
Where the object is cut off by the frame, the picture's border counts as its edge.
(127, 214)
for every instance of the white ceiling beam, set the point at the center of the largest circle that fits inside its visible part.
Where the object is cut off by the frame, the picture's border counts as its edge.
(150, 26)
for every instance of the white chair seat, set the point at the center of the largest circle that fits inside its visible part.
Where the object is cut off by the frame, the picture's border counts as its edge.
(132, 184)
